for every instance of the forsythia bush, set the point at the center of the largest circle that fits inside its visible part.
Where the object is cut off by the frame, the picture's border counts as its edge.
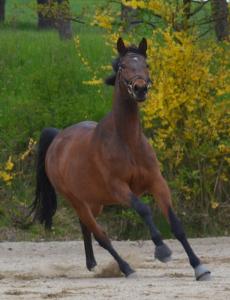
(187, 118)
(7, 170)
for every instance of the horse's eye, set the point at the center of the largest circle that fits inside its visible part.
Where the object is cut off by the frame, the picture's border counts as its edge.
(123, 66)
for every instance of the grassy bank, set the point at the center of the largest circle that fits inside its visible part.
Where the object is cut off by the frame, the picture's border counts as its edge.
(41, 83)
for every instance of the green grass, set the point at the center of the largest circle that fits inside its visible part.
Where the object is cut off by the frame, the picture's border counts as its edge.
(41, 83)
(41, 76)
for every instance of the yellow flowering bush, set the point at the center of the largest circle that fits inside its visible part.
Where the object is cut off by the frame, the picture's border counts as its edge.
(134, 3)
(9, 164)
(6, 172)
(32, 143)
(94, 81)
(165, 9)
(103, 19)
(187, 117)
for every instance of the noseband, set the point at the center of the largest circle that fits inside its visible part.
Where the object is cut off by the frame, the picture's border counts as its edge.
(131, 82)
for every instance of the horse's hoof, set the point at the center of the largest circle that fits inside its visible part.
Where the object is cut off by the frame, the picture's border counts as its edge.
(91, 265)
(202, 274)
(132, 275)
(95, 269)
(127, 270)
(163, 253)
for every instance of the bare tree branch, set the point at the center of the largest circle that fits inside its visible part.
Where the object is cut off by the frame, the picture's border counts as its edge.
(203, 33)
(143, 22)
(198, 8)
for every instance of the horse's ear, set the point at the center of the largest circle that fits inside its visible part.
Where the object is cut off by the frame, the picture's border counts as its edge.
(143, 46)
(121, 46)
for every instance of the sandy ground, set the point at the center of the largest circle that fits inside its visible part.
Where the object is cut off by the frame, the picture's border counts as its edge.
(56, 270)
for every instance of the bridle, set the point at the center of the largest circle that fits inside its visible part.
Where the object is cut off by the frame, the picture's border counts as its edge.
(130, 83)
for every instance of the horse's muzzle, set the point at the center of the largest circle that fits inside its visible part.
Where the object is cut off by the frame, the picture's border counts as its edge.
(140, 92)
(138, 87)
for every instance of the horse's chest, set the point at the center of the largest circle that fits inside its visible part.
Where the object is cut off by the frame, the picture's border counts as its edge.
(139, 179)
(127, 164)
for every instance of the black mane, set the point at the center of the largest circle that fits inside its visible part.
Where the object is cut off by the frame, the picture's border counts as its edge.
(110, 80)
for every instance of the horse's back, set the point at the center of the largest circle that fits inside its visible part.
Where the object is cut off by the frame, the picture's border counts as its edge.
(77, 128)
(73, 131)
(86, 124)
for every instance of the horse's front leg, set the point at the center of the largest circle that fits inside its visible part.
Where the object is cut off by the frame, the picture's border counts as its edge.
(161, 192)
(90, 224)
(162, 251)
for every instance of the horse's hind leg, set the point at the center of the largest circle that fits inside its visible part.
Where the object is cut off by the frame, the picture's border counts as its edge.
(162, 194)
(87, 236)
(87, 218)
(90, 259)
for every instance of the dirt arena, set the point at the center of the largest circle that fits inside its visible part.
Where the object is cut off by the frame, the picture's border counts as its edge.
(56, 270)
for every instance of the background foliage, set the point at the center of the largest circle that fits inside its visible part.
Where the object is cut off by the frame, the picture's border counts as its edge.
(47, 82)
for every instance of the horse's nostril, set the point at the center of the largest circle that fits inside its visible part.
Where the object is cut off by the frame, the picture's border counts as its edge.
(140, 89)
(136, 88)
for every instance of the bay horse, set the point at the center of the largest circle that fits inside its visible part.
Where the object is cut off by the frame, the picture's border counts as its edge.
(111, 162)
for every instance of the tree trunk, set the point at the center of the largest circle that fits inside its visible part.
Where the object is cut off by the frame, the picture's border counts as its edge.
(64, 20)
(2, 10)
(55, 14)
(45, 19)
(220, 17)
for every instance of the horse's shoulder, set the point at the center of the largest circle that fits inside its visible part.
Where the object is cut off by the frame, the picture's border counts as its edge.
(147, 153)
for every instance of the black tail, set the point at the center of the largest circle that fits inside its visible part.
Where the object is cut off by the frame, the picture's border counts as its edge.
(45, 202)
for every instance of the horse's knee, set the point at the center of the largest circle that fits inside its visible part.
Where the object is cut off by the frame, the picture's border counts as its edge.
(142, 209)
(161, 192)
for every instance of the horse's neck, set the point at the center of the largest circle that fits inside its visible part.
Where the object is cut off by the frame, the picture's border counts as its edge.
(126, 118)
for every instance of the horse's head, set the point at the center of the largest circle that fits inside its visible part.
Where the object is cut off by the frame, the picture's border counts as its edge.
(132, 74)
